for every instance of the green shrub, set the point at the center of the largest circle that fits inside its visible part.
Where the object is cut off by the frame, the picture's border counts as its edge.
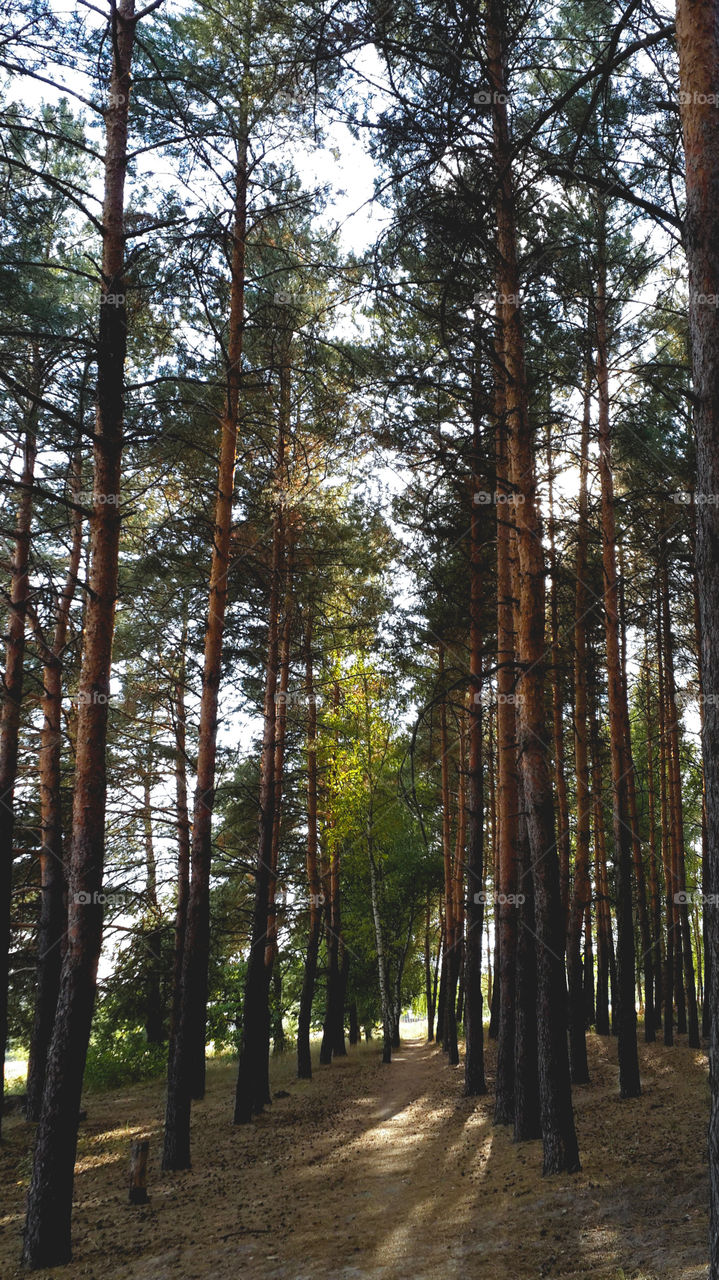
(121, 1055)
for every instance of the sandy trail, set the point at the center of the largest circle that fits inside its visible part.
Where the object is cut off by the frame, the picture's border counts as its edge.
(373, 1172)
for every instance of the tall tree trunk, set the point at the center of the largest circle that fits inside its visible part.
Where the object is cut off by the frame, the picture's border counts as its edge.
(654, 892)
(559, 1138)
(10, 715)
(186, 1062)
(250, 1093)
(560, 780)
(304, 1060)
(581, 889)
(379, 946)
(698, 42)
(605, 944)
(279, 764)
(629, 1083)
(588, 969)
(668, 981)
(428, 971)
(333, 1027)
(645, 936)
(53, 903)
(48, 1224)
(527, 1103)
(179, 725)
(558, 1133)
(505, 884)
(451, 956)
(677, 825)
(474, 1080)
(154, 1012)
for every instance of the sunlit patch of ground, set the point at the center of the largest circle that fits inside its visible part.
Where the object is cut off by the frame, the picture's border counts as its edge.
(372, 1172)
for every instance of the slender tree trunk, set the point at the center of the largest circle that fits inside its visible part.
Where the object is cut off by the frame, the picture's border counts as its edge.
(442, 995)
(558, 1133)
(654, 891)
(154, 1012)
(48, 1224)
(279, 763)
(605, 946)
(668, 982)
(381, 963)
(560, 780)
(304, 1060)
(645, 936)
(10, 717)
(677, 824)
(474, 1079)
(251, 1090)
(581, 890)
(53, 901)
(588, 969)
(451, 957)
(505, 884)
(629, 1083)
(186, 1062)
(183, 833)
(527, 1103)
(436, 994)
(428, 971)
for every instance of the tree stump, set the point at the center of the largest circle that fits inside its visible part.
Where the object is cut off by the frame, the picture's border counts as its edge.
(138, 1171)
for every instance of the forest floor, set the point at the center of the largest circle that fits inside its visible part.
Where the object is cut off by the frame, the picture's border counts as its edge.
(372, 1172)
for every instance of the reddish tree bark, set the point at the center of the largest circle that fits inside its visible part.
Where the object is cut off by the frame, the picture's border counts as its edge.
(251, 1089)
(183, 830)
(186, 1062)
(629, 1083)
(304, 1061)
(560, 780)
(48, 1224)
(451, 958)
(505, 884)
(53, 905)
(677, 819)
(10, 716)
(581, 889)
(558, 1133)
(698, 43)
(474, 1080)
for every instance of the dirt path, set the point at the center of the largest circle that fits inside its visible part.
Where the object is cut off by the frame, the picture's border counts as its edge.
(371, 1172)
